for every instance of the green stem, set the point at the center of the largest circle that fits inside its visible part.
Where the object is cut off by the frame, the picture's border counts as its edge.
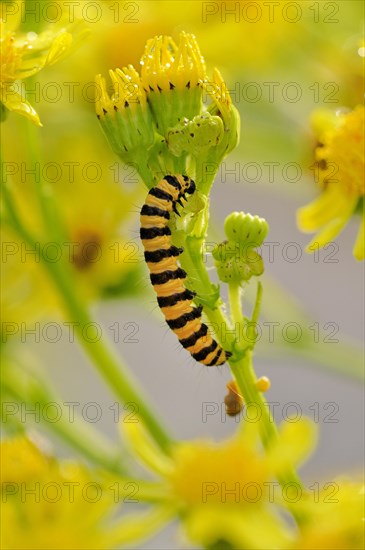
(242, 369)
(52, 223)
(108, 364)
(206, 167)
(19, 384)
(245, 377)
(257, 306)
(83, 438)
(244, 374)
(235, 301)
(208, 294)
(106, 361)
(89, 442)
(151, 492)
(13, 217)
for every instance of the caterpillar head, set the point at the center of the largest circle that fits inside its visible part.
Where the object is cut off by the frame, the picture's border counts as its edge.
(188, 186)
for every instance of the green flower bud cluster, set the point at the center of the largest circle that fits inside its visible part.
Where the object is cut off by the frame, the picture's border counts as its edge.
(236, 259)
(222, 106)
(246, 229)
(195, 136)
(156, 119)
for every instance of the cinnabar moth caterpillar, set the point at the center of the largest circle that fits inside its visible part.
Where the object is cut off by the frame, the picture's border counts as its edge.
(167, 277)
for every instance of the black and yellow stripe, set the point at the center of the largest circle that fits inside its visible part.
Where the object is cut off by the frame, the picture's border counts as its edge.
(167, 277)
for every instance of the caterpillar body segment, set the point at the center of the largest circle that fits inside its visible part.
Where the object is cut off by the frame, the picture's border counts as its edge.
(167, 277)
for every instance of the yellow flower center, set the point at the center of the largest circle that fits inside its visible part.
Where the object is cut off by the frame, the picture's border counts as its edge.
(342, 155)
(86, 252)
(21, 460)
(230, 473)
(166, 65)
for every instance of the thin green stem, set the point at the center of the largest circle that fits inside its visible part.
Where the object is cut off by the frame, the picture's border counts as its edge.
(82, 437)
(244, 374)
(242, 369)
(21, 385)
(105, 359)
(257, 306)
(89, 442)
(208, 294)
(235, 301)
(201, 279)
(13, 217)
(148, 491)
(52, 223)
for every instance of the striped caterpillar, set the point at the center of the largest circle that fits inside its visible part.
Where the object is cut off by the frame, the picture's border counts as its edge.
(167, 277)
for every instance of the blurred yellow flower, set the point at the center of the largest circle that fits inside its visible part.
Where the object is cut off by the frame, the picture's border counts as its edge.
(49, 504)
(102, 253)
(336, 520)
(242, 34)
(21, 460)
(223, 491)
(27, 295)
(97, 247)
(24, 55)
(158, 120)
(340, 166)
(167, 66)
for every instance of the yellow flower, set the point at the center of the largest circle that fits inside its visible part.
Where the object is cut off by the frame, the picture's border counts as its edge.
(28, 296)
(168, 90)
(157, 120)
(336, 520)
(21, 460)
(340, 162)
(24, 55)
(222, 492)
(125, 117)
(172, 75)
(167, 66)
(100, 252)
(49, 504)
(240, 34)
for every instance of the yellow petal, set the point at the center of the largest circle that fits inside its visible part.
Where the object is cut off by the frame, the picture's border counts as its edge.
(330, 232)
(207, 526)
(137, 527)
(359, 247)
(59, 48)
(296, 442)
(15, 102)
(332, 203)
(144, 448)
